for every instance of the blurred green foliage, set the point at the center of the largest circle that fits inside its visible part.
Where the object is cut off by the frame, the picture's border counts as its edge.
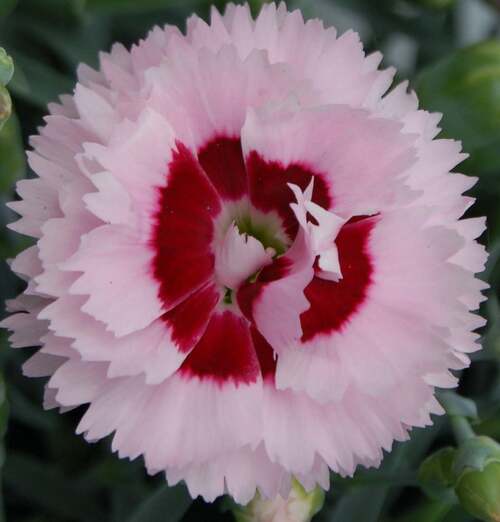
(451, 52)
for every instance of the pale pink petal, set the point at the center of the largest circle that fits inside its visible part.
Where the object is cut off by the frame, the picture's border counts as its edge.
(117, 278)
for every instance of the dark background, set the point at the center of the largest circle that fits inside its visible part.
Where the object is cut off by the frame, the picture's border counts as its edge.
(51, 475)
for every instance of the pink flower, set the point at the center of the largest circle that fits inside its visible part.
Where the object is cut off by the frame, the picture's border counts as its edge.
(248, 260)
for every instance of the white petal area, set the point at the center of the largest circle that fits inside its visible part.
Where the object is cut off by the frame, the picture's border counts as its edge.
(239, 257)
(323, 235)
(117, 278)
(358, 146)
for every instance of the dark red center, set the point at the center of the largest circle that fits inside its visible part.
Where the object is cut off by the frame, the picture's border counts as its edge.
(225, 345)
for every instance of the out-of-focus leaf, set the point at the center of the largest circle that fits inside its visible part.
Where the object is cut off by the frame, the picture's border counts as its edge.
(6, 67)
(54, 11)
(120, 6)
(6, 6)
(435, 4)
(456, 405)
(36, 83)
(4, 414)
(43, 485)
(495, 3)
(124, 500)
(74, 45)
(12, 162)
(427, 511)
(23, 410)
(457, 514)
(436, 475)
(475, 22)
(465, 87)
(166, 505)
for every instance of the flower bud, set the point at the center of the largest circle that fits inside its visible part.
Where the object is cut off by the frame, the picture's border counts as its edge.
(300, 506)
(477, 478)
(6, 67)
(436, 475)
(5, 105)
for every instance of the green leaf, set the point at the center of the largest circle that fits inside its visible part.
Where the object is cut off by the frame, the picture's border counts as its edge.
(6, 67)
(4, 415)
(4, 411)
(12, 162)
(435, 4)
(427, 511)
(36, 82)
(74, 45)
(6, 6)
(166, 505)
(456, 405)
(465, 87)
(43, 485)
(28, 413)
(120, 6)
(436, 475)
(494, 3)
(59, 12)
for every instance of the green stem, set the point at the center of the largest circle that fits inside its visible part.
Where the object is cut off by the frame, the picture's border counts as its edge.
(461, 428)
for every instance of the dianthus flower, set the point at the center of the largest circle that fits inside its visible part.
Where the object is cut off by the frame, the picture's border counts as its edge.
(249, 260)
